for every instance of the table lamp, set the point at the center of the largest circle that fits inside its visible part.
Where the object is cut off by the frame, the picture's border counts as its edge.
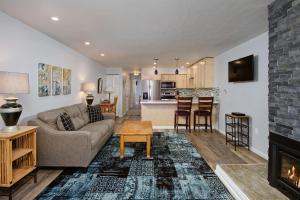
(89, 87)
(109, 90)
(12, 83)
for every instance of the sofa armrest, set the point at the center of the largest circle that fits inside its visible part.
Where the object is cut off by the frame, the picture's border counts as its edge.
(61, 148)
(109, 115)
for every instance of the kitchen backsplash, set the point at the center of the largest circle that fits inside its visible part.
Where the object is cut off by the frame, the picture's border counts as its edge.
(200, 92)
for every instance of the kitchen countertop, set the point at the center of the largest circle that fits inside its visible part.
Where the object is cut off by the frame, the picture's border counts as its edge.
(164, 102)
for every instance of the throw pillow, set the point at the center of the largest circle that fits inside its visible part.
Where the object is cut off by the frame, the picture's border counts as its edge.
(64, 122)
(95, 113)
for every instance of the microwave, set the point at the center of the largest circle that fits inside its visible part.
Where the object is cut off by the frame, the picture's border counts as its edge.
(168, 85)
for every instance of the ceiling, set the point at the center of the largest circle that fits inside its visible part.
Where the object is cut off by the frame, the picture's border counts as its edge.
(132, 32)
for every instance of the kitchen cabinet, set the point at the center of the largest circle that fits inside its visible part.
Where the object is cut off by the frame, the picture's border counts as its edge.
(180, 79)
(164, 77)
(168, 77)
(201, 74)
(145, 76)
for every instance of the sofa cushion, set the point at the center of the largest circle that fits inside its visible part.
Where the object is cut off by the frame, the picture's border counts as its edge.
(106, 125)
(98, 131)
(84, 112)
(50, 117)
(65, 123)
(95, 113)
(76, 116)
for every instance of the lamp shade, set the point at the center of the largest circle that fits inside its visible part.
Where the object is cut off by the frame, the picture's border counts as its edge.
(14, 83)
(89, 87)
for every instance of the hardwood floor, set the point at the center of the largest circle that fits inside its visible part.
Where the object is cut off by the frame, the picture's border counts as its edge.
(214, 150)
(27, 189)
(239, 165)
(246, 169)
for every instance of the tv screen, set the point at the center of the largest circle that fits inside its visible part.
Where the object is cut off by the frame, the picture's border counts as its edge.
(241, 69)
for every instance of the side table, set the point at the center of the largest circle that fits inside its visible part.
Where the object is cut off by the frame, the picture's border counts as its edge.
(17, 157)
(238, 128)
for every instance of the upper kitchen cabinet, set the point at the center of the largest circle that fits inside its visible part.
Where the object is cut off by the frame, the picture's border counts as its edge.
(180, 79)
(150, 76)
(201, 74)
(168, 77)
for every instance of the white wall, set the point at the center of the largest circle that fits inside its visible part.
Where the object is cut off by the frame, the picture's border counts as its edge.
(248, 97)
(22, 48)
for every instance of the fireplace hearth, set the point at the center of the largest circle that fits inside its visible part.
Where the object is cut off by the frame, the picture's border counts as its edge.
(284, 165)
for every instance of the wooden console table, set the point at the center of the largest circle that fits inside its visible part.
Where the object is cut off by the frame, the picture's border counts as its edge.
(106, 107)
(238, 128)
(17, 157)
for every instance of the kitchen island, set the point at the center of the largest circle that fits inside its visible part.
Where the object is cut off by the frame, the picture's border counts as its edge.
(161, 113)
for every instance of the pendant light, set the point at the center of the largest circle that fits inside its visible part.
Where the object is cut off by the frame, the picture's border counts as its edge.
(177, 71)
(156, 64)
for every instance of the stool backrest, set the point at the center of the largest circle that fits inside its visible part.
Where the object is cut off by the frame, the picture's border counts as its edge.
(205, 103)
(184, 103)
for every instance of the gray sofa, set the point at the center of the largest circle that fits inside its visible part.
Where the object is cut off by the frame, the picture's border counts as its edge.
(57, 148)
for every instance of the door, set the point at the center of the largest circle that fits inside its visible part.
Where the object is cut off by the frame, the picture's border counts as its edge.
(114, 82)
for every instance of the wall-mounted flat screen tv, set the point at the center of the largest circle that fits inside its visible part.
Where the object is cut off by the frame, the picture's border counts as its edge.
(241, 69)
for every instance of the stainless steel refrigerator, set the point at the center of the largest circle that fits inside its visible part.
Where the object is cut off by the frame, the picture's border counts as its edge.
(151, 90)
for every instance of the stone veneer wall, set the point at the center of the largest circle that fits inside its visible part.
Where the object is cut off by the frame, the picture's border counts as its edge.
(284, 67)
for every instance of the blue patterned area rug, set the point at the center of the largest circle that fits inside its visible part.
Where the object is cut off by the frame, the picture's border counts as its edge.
(176, 171)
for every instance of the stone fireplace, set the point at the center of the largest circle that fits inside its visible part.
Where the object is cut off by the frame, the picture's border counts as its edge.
(284, 96)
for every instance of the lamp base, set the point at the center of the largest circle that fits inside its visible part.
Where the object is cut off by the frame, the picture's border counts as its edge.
(9, 129)
(89, 99)
(10, 113)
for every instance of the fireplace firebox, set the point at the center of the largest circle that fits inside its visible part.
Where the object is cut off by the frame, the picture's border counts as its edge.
(284, 165)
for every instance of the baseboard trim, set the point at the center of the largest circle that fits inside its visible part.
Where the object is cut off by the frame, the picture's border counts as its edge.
(234, 190)
(258, 152)
(254, 150)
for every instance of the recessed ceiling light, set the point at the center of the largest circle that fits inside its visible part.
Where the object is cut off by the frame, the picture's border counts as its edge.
(154, 63)
(87, 43)
(102, 54)
(187, 63)
(55, 19)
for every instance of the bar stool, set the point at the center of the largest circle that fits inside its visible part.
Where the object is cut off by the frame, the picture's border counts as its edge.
(184, 106)
(205, 106)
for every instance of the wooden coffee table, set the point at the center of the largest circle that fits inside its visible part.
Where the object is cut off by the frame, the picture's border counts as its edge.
(135, 131)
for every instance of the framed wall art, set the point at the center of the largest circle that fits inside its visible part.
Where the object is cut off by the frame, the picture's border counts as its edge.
(66, 81)
(100, 85)
(44, 80)
(56, 80)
